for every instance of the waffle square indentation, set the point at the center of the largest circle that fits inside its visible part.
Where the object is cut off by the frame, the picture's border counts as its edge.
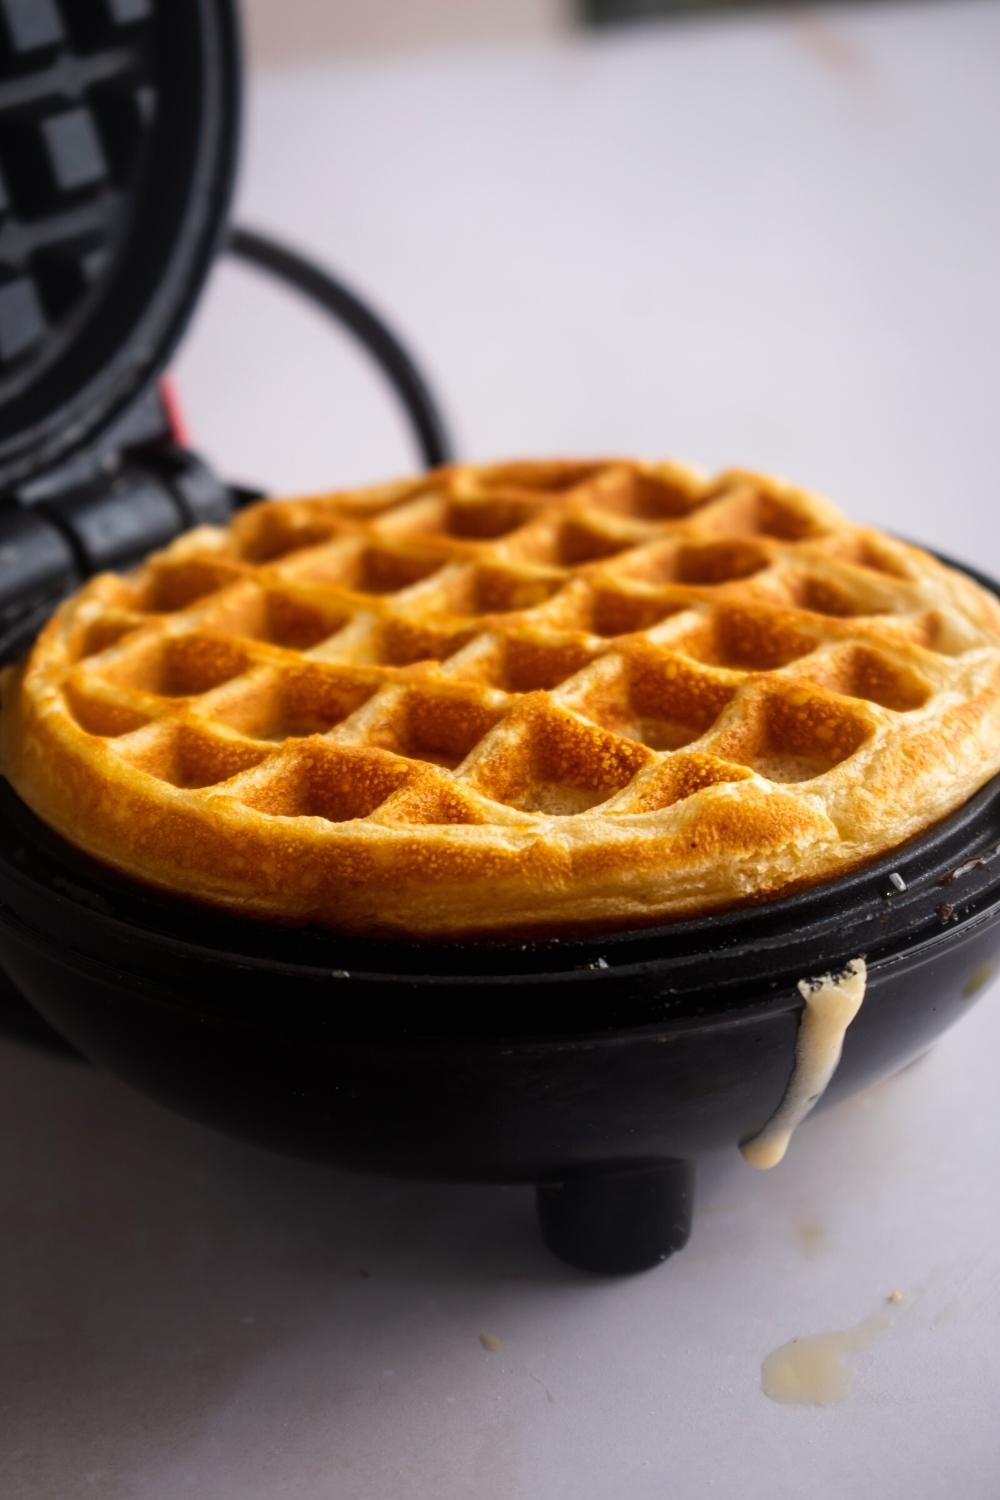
(294, 620)
(293, 703)
(434, 725)
(654, 697)
(268, 533)
(364, 568)
(557, 764)
(175, 583)
(863, 672)
(748, 639)
(177, 666)
(793, 737)
(326, 781)
(190, 756)
(100, 711)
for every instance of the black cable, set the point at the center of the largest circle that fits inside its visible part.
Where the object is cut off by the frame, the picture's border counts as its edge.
(317, 284)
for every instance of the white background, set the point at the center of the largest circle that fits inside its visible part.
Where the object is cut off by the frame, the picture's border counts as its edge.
(773, 242)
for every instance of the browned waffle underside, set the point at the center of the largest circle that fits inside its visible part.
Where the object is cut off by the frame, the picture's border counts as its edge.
(507, 699)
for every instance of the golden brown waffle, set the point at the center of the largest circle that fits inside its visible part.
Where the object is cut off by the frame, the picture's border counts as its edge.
(523, 698)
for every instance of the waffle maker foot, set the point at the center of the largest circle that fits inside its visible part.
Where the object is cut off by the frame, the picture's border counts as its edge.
(615, 1220)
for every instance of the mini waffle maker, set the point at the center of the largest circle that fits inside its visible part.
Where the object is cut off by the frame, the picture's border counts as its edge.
(599, 1068)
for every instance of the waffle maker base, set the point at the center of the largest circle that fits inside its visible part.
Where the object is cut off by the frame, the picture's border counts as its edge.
(598, 1069)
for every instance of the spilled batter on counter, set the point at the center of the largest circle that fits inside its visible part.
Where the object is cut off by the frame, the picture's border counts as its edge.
(814, 1371)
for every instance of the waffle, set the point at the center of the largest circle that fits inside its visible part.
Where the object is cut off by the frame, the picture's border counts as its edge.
(530, 698)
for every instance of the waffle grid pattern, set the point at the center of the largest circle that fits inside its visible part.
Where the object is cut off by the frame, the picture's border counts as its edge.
(79, 96)
(510, 645)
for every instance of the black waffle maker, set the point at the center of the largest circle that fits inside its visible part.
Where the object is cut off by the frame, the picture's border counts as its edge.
(597, 1069)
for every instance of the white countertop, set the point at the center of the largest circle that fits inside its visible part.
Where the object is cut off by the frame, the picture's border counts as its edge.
(770, 242)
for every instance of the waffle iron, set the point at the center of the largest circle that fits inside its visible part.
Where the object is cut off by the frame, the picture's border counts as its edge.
(598, 1069)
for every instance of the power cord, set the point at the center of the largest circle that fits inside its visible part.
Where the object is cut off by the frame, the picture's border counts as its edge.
(347, 309)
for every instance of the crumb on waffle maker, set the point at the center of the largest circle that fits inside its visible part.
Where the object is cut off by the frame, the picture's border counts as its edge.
(536, 697)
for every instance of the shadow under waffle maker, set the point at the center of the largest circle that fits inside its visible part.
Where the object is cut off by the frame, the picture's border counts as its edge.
(597, 1069)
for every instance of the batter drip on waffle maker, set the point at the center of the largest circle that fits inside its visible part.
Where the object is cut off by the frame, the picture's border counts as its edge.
(533, 697)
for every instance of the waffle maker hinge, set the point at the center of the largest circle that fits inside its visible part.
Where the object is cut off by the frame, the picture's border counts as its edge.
(55, 535)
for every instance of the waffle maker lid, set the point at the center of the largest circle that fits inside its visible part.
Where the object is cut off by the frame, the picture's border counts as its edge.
(118, 134)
